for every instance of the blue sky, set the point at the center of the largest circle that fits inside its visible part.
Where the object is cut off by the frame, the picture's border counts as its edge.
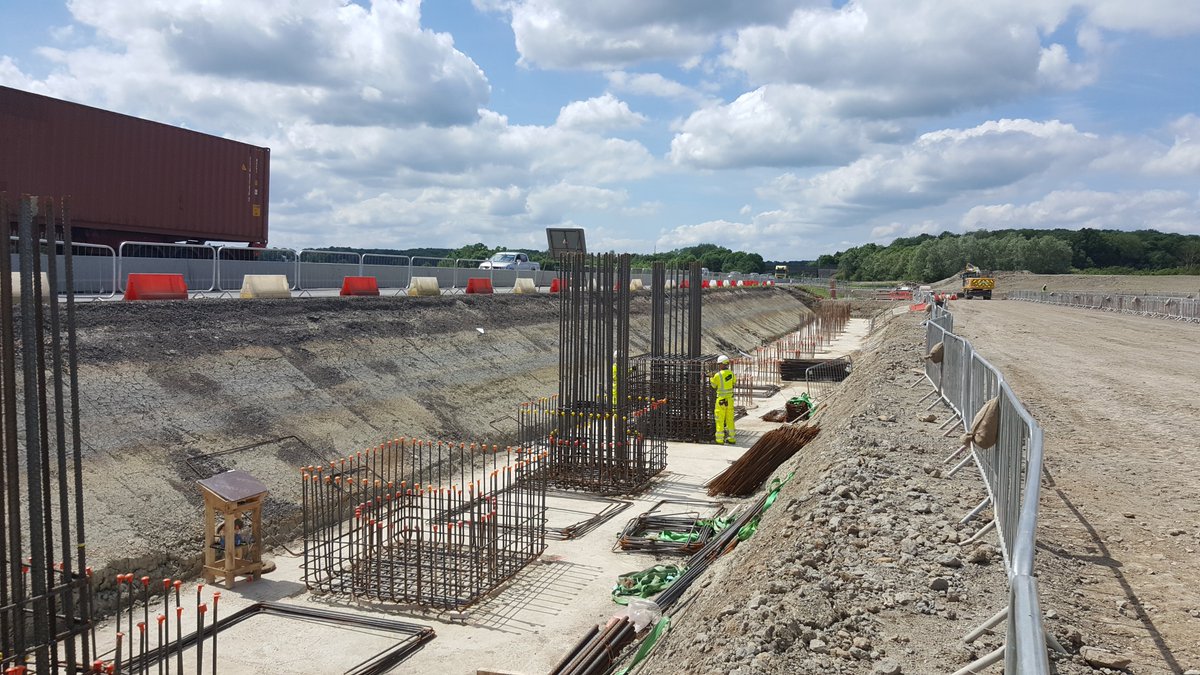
(790, 128)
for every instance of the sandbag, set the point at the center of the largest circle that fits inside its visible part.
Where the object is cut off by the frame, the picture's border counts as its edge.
(937, 353)
(985, 428)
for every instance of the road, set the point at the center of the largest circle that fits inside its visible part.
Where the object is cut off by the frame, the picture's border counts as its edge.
(1118, 532)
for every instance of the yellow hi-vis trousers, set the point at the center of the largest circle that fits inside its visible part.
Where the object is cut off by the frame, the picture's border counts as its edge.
(723, 412)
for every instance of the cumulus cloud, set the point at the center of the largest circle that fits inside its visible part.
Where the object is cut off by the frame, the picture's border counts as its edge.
(617, 33)
(774, 125)
(1166, 210)
(879, 58)
(602, 113)
(1183, 157)
(653, 84)
(938, 167)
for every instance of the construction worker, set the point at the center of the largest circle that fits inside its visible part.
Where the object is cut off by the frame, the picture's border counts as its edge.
(722, 381)
(616, 355)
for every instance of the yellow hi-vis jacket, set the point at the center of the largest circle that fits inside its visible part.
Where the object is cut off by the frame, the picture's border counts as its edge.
(723, 381)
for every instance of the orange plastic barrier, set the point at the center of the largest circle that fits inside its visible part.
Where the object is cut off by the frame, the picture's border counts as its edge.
(140, 286)
(360, 286)
(480, 285)
(918, 307)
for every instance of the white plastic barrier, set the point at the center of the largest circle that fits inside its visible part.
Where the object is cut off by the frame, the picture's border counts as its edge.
(265, 286)
(524, 286)
(635, 284)
(424, 286)
(16, 287)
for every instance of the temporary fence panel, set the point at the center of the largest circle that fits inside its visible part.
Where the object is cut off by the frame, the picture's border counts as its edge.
(235, 262)
(504, 278)
(1010, 470)
(390, 271)
(441, 269)
(326, 269)
(95, 268)
(466, 269)
(1162, 306)
(196, 262)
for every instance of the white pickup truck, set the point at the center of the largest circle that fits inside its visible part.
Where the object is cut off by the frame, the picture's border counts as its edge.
(510, 260)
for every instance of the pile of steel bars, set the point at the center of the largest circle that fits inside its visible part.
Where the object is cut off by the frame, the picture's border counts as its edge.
(754, 467)
(432, 523)
(674, 533)
(598, 650)
(45, 587)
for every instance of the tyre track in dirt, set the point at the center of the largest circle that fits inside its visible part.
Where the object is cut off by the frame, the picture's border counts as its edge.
(1118, 533)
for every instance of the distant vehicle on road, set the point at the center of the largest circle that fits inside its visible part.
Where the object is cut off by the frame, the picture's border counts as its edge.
(510, 260)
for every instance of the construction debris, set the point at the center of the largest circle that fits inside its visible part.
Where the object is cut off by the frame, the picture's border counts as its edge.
(767, 454)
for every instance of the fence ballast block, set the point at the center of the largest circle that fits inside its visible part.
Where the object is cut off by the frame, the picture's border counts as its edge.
(479, 285)
(419, 286)
(16, 287)
(360, 286)
(524, 286)
(139, 286)
(265, 286)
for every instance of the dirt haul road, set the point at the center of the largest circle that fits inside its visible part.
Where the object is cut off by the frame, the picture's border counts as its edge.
(1118, 532)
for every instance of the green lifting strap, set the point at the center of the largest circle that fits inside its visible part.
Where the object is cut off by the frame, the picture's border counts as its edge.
(751, 527)
(645, 583)
(661, 627)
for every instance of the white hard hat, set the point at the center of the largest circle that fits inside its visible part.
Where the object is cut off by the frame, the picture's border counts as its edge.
(616, 354)
(722, 359)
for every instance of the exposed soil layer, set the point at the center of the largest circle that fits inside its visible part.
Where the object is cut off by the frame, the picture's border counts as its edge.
(175, 391)
(1118, 534)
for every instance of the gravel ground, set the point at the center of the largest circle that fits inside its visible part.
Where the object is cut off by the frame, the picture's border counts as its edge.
(860, 566)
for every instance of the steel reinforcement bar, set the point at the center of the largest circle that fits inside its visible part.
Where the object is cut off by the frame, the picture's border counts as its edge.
(1011, 471)
(431, 523)
(1158, 306)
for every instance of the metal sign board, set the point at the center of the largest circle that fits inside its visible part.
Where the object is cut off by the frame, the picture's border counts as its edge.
(565, 240)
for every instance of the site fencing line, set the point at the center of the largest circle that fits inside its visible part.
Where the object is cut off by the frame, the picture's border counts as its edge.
(1158, 306)
(1011, 471)
(102, 270)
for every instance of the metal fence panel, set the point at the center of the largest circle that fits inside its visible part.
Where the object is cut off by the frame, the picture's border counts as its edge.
(235, 262)
(390, 271)
(1164, 306)
(440, 268)
(326, 269)
(196, 262)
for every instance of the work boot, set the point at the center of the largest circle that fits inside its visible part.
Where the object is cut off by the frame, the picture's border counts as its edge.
(720, 442)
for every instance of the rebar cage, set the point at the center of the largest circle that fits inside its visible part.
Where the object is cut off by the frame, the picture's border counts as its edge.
(46, 596)
(429, 523)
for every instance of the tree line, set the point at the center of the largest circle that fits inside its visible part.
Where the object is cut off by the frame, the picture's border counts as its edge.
(929, 258)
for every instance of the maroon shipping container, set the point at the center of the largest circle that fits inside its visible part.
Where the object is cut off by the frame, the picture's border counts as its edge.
(130, 179)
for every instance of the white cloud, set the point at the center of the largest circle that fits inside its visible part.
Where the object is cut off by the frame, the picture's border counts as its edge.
(1166, 210)
(1183, 158)
(653, 84)
(879, 58)
(304, 58)
(939, 166)
(602, 113)
(774, 125)
(617, 33)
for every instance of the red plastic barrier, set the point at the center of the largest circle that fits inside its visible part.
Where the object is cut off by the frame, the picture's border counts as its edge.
(360, 286)
(140, 286)
(480, 285)
(554, 285)
(920, 307)
(704, 284)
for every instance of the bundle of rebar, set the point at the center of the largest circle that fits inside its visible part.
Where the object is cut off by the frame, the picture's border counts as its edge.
(676, 533)
(682, 382)
(45, 591)
(598, 650)
(767, 454)
(432, 523)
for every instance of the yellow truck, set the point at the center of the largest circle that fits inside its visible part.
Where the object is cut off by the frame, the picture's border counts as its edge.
(976, 283)
(781, 271)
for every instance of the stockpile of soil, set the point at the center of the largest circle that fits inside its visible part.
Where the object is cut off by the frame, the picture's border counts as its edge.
(858, 568)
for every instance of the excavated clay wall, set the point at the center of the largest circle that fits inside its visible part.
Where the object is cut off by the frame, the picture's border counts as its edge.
(171, 392)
